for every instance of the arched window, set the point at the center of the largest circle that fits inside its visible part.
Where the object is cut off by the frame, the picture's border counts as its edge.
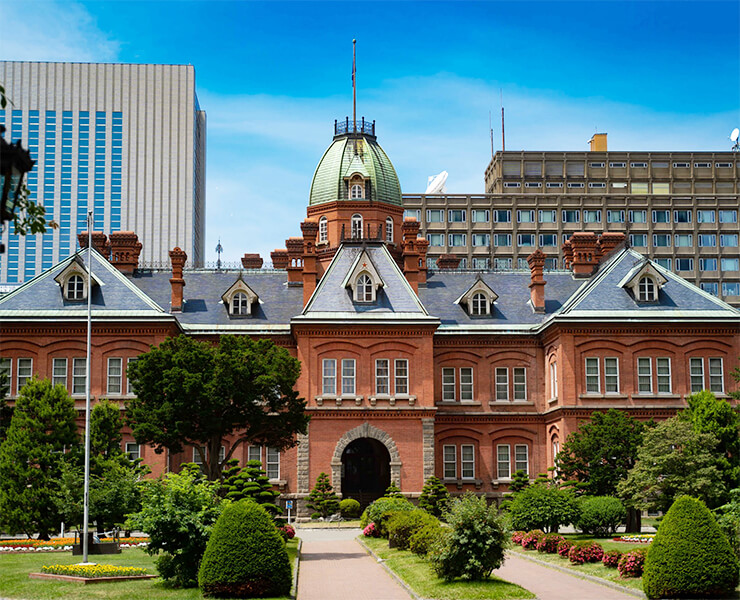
(647, 290)
(389, 230)
(356, 191)
(323, 235)
(75, 288)
(356, 226)
(239, 304)
(479, 304)
(364, 289)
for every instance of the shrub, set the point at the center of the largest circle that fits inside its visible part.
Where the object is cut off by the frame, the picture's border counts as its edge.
(392, 491)
(564, 548)
(370, 531)
(322, 499)
(540, 506)
(690, 555)
(245, 556)
(611, 558)
(425, 538)
(349, 508)
(402, 525)
(549, 543)
(517, 537)
(287, 531)
(250, 481)
(475, 544)
(530, 539)
(631, 564)
(373, 512)
(600, 515)
(434, 497)
(583, 552)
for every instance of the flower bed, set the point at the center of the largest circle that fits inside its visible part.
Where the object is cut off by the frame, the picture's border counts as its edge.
(635, 538)
(61, 544)
(94, 571)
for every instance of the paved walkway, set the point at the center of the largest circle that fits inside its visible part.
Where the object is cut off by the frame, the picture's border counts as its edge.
(335, 567)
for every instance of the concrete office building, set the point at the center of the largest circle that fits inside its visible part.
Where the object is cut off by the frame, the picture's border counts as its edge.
(125, 140)
(679, 208)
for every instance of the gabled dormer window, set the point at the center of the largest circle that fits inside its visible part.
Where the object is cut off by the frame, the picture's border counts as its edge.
(73, 281)
(364, 279)
(478, 298)
(364, 288)
(239, 299)
(644, 281)
(647, 290)
(480, 304)
(75, 288)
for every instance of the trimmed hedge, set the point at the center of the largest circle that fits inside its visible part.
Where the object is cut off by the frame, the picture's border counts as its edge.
(349, 508)
(245, 556)
(583, 552)
(690, 555)
(402, 525)
(422, 541)
(601, 515)
(379, 509)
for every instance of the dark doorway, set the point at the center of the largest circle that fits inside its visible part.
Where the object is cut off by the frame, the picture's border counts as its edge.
(366, 470)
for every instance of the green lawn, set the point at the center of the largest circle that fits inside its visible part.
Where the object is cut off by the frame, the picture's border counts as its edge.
(606, 543)
(14, 581)
(418, 575)
(326, 525)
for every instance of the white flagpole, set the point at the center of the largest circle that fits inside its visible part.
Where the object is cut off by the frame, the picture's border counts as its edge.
(86, 503)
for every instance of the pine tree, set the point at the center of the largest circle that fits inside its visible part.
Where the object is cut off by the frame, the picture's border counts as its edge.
(392, 491)
(434, 497)
(322, 499)
(249, 482)
(519, 481)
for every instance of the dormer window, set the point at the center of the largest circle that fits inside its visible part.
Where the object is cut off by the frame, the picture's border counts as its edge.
(389, 230)
(647, 290)
(356, 191)
(239, 304)
(239, 299)
(364, 279)
(644, 281)
(356, 226)
(323, 230)
(479, 304)
(364, 289)
(75, 288)
(478, 298)
(73, 280)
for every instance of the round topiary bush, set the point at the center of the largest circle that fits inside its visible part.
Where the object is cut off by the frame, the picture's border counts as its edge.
(402, 525)
(245, 556)
(690, 555)
(422, 541)
(600, 515)
(564, 548)
(349, 508)
(375, 511)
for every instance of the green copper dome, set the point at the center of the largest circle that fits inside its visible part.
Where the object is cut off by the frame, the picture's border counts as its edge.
(349, 154)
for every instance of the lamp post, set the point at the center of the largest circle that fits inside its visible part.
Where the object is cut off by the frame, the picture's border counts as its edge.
(15, 162)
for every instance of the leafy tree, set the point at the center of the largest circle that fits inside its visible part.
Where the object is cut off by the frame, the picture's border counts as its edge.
(193, 393)
(322, 499)
(105, 430)
(393, 491)
(728, 518)
(434, 498)
(673, 460)
(249, 482)
(31, 457)
(178, 513)
(6, 412)
(543, 506)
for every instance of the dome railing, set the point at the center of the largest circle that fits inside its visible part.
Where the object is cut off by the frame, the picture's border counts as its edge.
(347, 126)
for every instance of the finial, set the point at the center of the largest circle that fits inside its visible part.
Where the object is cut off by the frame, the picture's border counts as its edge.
(219, 250)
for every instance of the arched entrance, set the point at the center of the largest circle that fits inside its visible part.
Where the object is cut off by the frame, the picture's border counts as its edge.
(366, 470)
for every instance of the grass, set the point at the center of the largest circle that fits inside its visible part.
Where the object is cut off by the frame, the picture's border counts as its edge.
(605, 543)
(593, 569)
(326, 525)
(418, 575)
(15, 582)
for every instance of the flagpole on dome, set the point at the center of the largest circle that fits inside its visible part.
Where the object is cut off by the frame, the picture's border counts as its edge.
(354, 86)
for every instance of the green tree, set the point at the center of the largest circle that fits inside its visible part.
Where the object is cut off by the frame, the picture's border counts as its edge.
(322, 499)
(434, 497)
(673, 460)
(249, 482)
(543, 506)
(519, 480)
(392, 491)
(191, 393)
(178, 513)
(105, 430)
(6, 412)
(31, 458)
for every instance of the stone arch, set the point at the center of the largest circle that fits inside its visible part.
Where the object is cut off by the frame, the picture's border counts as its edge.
(364, 431)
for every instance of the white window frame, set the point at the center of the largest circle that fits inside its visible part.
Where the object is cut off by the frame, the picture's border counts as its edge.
(518, 462)
(663, 378)
(77, 379)
(401, 377)
(129, 391)
(506, 448)
(529, 213)
(329, 377)
(196, 456)
(448, 387)
(382, 377)
(24, 372)
(130, 452)
(272, 466)
(593, 380)
(364, 289)
(451, 214)
(632, 213)
(644, 375)
(467, 379)
(6, 366)
(519, 389)
(58, 365)
(614, 377)
(389, 230)
(440, 212)
(554, 380)
(356, 191)
(467, 463)
(357, 226)
(647, 289)
(323, 230)
(716, 380)
(501, 384)
(112, 377)
(475, 213)
(449, 461)
(76, 292)
(349, 374)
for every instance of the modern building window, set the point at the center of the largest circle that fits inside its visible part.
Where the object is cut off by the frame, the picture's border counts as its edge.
(481, 263)
(382, 377)
(661, 240)
(502, 264)
(521, 458)
(551, 264)
(389, 230)
(436, 239)
(597, 184)
(730, 264)
(479, 215)
(323, 230)
(457, 239)
(575, 185)
(413, 213)
(661, 216)
(533, 184)
(706, 240)
(548, 239)
(456, 216)
(638, 216)
(702, 165)
(596, 165)
(512, 184)
(501, 239)
(449, 460)
(682, 216)
(525, 216)
(503, 461)
(401, 378)
(329, 377)
(526, 239)
(611, 375)
(647, 290)
(705, 216)
(133, 450)
(522, 263)
(356, 222)
(435, 215)
(481, 239)
(639, 187)
(348, 377)
(730, 288)
(615, 216)
(59, 371)
(570, 216)
(25, 372)
(684, 240)
(644, 376)
(592, 376)
(710, 287)
(546, 216)
(728, 216)
(661, 188)
(681, 165)
(638, 165)
(619, 185)
(115, 376)
(75, 288)
(664, 262)
(638, 239)
(554, 184)
(502, 216)
(592, 216)
(707, 264)
(684, 264)
(728, 240)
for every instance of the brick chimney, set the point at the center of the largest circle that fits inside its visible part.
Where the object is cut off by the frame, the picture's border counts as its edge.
(421, 246)
(252, 261)
(567, 254)
(310, 229)
(585, 253)
(536, 262)
(177, 258)
(609, 241)
(99, 242)
(295, 260)
(448, 261)
(410, 253)
(125, 248)
(279, 258)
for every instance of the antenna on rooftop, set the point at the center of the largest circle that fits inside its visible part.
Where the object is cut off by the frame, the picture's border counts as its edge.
(219, 250)
(734, 138)
(503, 137)
(490, 127)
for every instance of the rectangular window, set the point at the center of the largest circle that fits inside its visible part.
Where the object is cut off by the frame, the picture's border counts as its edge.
(554, 380)
(520, 384)
(533, 184)
(710, 287)
(25, 372)
(680, 165)
(254, 453)
(59, 371)
(684, 264)
(702, 165)
(466, 384)
(521, 458)
(329, 378)
(551, 264)
(525, 239)
(661, 240)
(115, 366)
(272, 460)
(663, 372)
(198, 457)
(639, 188)
(723, 165)
(479, 215)
(382, 377)
(481, 263)
(728, 216)
(707, 264)
(705, 216)
(133, 450)
(728, 240)
(661, 188)
(706, 240)
(554, 168)
(696, 372)
(502, 216)
(522, 263)
(638, 216)
(577, 185)
(436, 239)
(661, 216)
(348, 376)
(401, 380)
(682, 216)
(503, 455)
(6, 365)
(79, 374)
(512, 184)
(456, 239)
(611, 375)
(501, 239)
(592, 216)
(684, 240)
(467, 461)
(664, 262)
(548, 239)
(571, 216)
(525, 216)
(730, 288)
(448, 384)
(450, 462)
(638, 239)
(644, 376)
(481, 239)
(502, 385)
(502, 264)
(716, 379)
(554, 184)
(619, 185)
(638, 165)
(597, 184)
(546, 216)
(730, 264)
(414, 213)
(435, 215)
(615, 216)
(592, 376)
(456, 216)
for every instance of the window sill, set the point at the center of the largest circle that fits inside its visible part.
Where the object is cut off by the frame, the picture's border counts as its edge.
(614, 396)
(392, 399)
(656, 396)
(459, 482)
(455, 403)
(511, 403)
(552, 400)
(339, 399)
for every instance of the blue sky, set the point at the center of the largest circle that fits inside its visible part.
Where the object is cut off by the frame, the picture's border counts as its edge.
(272, 77)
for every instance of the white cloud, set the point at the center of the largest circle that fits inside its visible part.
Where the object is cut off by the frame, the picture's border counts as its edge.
(53, 30)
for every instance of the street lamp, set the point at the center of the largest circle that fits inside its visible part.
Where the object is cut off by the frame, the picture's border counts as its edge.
(15, 162)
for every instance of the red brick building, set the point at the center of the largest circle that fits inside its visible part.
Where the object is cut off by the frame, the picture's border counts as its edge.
(407, 373)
